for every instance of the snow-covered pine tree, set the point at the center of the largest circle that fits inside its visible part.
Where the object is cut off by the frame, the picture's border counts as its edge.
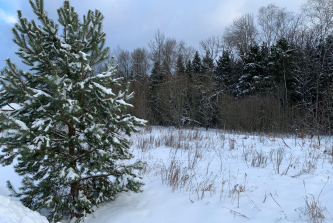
(68, 131)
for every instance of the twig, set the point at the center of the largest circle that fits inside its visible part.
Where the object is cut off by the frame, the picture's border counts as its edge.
(279, 206)
(252, 201)
(285, 143)
(236, 213)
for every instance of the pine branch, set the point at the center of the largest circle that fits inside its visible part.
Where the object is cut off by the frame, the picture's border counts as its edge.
(12, 189)
(86, 154)
(64, 154)
(96, 176)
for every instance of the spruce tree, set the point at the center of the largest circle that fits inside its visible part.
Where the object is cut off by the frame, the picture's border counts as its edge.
(256, 78)
(224, 72)
(68, 130)
(208, 64)
(282, 68)
(189, 69)
(180, 68)
(196, 63)
(252, 70)
(154, 95)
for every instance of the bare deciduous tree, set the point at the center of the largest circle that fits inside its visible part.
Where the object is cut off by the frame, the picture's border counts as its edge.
(277, 23)
(241, 34)
(212, 45)
(140, 63)
(187, 52)
(320, 16)
(123, 60)
(156, 47)
(164, 52)
(169, 55)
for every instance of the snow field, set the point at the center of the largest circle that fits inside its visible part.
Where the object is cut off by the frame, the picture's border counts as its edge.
(213, 176)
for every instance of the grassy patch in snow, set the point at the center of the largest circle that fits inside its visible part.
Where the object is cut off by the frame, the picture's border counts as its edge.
(250, 176)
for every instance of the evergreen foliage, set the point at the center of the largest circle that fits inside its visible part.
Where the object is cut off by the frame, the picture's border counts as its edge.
(180, 68)
(196, 63)
(67, 129)
(154, 95)
(224, 72)
(156, 74)
(207, 63)
(189, 69)
(282, 65)
(256, 76)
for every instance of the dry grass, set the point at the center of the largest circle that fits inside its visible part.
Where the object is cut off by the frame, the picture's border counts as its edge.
(276, 158)
(314, 209)
(192, 153)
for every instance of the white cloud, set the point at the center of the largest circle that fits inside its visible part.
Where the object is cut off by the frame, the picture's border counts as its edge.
(7, 18)
(225, 12)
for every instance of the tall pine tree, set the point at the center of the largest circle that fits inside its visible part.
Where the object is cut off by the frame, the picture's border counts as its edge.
(67, 129)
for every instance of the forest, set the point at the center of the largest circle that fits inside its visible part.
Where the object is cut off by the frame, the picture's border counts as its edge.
(270, 72)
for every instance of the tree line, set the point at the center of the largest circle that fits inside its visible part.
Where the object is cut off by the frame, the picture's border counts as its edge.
(268, 73)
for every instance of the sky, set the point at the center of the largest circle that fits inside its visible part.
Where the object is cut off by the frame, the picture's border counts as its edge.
(132, 23)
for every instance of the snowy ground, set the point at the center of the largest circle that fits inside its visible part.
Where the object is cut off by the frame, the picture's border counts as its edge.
(211, 176)
(13, 211)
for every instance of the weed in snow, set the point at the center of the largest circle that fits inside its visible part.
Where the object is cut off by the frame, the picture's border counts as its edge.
(204, 163)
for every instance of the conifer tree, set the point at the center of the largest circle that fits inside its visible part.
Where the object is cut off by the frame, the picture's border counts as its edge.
(282, 67)
(67, 129)
(196, 63)
(207, 64)
(256, 78)
(155, 94)
(156, 74)
(189, 69)
(224, 72)
(180, 68)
